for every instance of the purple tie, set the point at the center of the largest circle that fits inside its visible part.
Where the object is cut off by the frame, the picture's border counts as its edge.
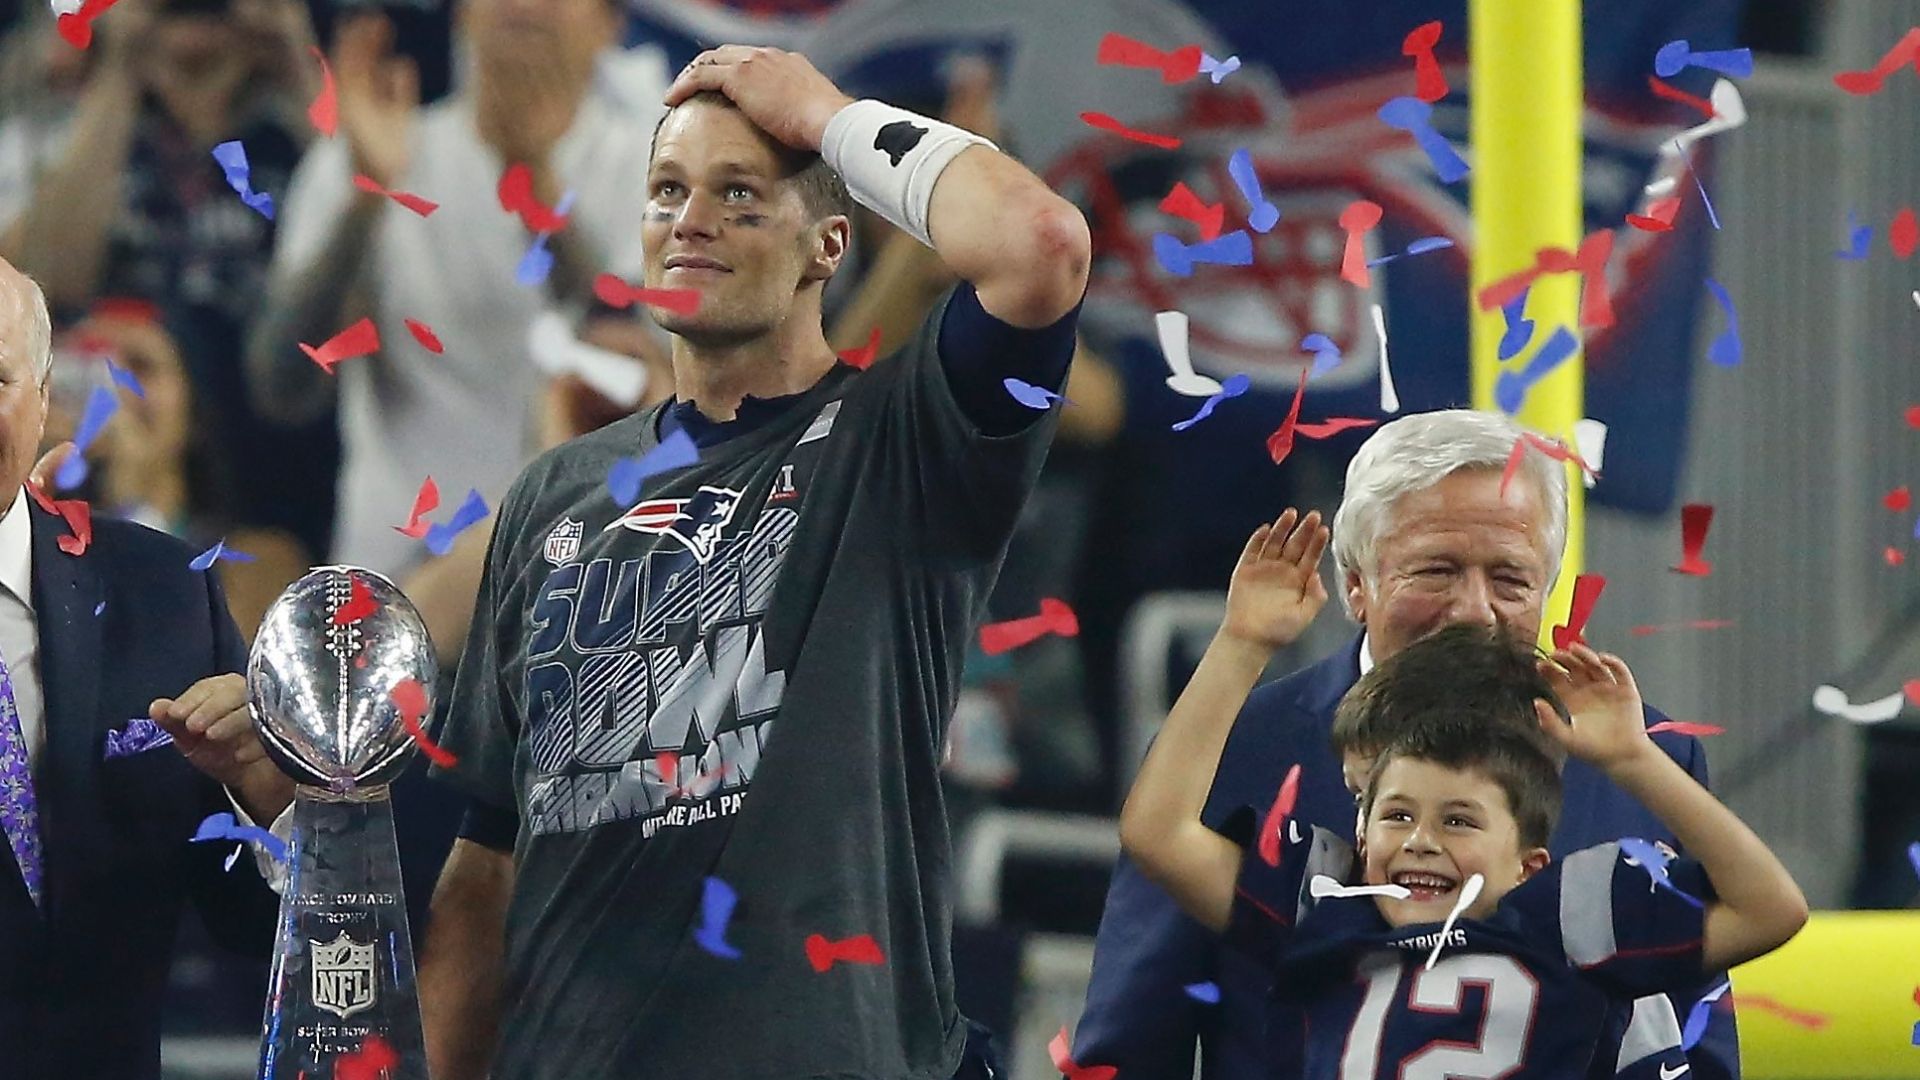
(19, 815)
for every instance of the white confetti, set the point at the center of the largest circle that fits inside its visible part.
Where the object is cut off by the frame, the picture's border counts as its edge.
(1389, 399)
(1323, 886)
(1173, 326)
(1833, 701)
(1467, 896)
(1590, 442)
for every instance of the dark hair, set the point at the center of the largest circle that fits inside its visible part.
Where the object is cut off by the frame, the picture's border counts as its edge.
(822, 191)
(1470, 672)
(1462, 698)
(1524, 765)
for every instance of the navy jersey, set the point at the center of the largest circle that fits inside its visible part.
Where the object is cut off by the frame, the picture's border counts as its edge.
(1524, 993)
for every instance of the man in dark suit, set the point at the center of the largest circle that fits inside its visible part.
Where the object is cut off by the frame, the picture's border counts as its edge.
(97, 619)
(1428, 535)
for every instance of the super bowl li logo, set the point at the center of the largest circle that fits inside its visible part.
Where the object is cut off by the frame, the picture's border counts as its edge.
(343, 975)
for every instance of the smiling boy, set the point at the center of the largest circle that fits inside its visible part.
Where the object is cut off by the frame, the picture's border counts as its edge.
(1465, 935)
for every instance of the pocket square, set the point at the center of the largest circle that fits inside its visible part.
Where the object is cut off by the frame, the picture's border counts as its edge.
(140, 736)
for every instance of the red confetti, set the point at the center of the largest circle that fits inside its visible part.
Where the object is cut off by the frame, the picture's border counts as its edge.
(517, 197)
(1813, 1021)
(1063, 1061)
(1055, 617)
(77, 28)
(424, 503)
(360, 603)
(617, 293)
(1430, 83)
(373, 1061)
(1905, 51)
(411, 699)
(1596, 305)
(1586, 593)
(1648, 629)
(1659, 215)
(1276, 819)
(863, 356)
(1913, 416)
(860, 949)
(1694, 519)
(1686, 727)
(1553, 448)
(357, 340)
(1331, 427)
(1897, 500)
(1894, 556)
(1357, 218)
(1911, 688)
(1108, 123)
(1280, 443)
(1674, 93)
(1182, 202)
(75, 512)
(1903, 235)
(415, 203)
(1178, 65)
(424, 334)
(324, 112)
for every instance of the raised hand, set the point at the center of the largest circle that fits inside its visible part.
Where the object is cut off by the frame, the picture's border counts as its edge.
(379, 94)
(1276, 589)
(781, 92)
(1608, 727)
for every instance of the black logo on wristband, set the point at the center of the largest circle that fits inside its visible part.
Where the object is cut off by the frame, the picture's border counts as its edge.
(897, 139)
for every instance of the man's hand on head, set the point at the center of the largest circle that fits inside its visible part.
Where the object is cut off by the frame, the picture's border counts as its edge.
(781, 92)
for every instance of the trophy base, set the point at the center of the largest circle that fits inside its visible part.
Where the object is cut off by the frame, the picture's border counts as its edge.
(343, 979)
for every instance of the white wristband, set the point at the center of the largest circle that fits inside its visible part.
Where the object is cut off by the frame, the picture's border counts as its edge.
(890, 159)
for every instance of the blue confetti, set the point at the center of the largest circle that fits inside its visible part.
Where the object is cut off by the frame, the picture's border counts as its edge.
(1218, 69)
(127, 379)
(1510, 389)
(440, 537)
(1233, 249)
(233, 162)
(1519, 329)
(537, 263)
(101, 404)
(1261, 214)
(1676, 56)
(1204, 991)
(675, 451)
(1326, 355)
(1415, 117)
(1033, 397)
(1418, 247)
(1913, 856)
(717, 902)
(1725, 349)
(1654, 862)
(1698, 1016)
(1232, 387)
(1860, 236)
(222, 826)
(217, 552)
(99, 607)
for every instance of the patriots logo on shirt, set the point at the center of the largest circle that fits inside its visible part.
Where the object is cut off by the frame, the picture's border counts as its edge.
(696, 522)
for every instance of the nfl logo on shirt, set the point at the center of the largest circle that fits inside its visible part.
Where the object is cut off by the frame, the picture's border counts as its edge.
(563, 543)
(343, 982)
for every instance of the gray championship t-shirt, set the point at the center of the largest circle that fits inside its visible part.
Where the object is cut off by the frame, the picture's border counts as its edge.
(746, 674)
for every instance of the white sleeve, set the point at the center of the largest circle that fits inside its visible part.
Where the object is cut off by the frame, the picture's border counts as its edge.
(271, 869)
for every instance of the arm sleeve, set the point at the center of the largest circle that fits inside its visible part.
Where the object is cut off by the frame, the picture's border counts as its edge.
(965, 483)
(1138, 1016)
(238, 909)
(490, 826)
(978, 352)
(1621, 929)
(480, 724)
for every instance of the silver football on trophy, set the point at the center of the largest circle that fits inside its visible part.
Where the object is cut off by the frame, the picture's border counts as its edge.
(340, 656)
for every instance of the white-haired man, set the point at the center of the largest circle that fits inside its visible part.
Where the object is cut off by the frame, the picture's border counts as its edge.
(1425, 538)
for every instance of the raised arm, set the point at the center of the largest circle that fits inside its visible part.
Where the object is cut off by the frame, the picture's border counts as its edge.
(1024, 249)
(1276, 592)
(1759, 907)
(319, 282)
